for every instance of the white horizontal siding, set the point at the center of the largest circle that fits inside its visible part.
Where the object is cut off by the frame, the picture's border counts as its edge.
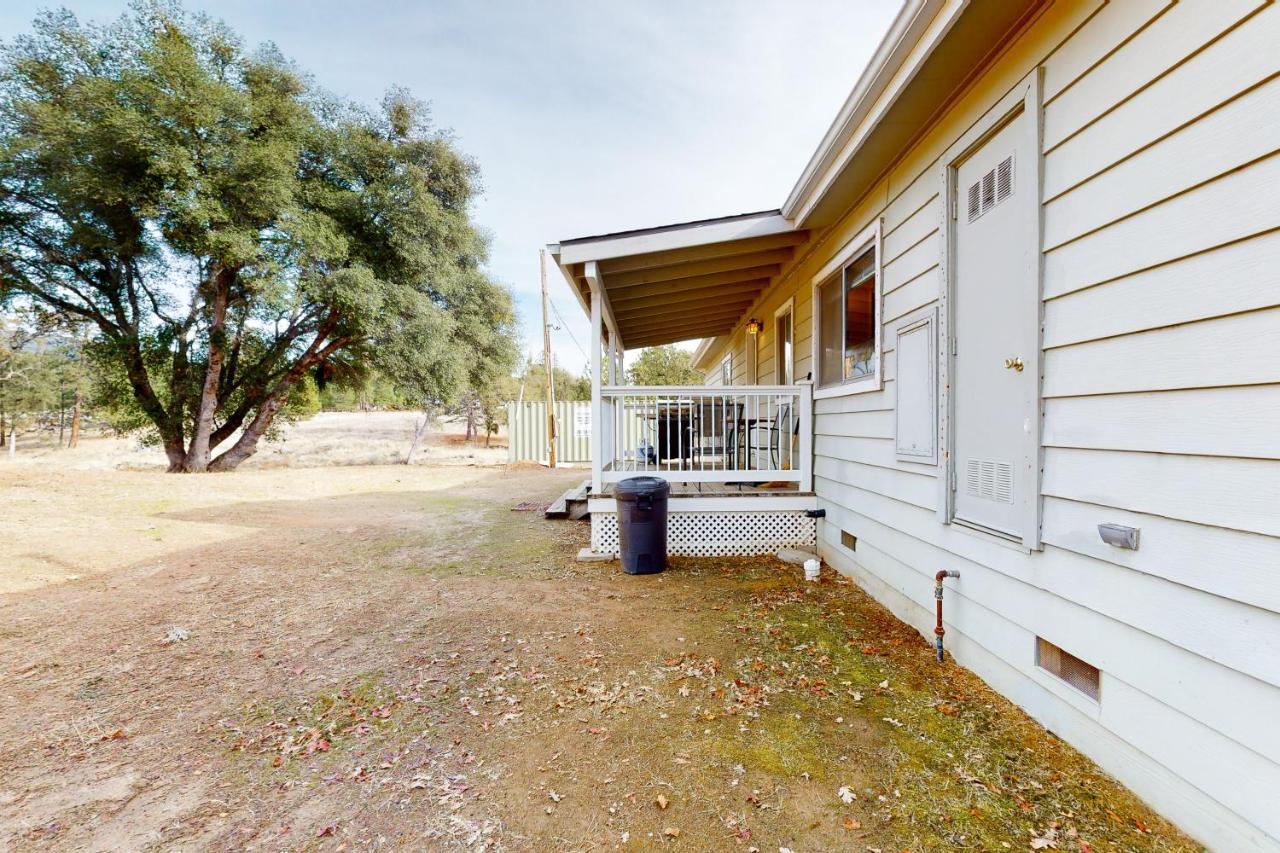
(1233, 135)
(1239, 494)
(1104, 31)
(1239, 205)
(1238, 61)
(1236, 350)
(1164, 41)
(1242, 421)
(1243, 276)
(1241, 566)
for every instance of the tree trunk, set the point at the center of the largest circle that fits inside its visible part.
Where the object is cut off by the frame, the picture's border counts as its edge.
(247, 444)
(417, 438)
(197, 458)
(75, 418)
(169, 426)
(13, 441)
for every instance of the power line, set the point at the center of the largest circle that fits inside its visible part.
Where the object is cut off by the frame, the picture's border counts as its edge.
(567, 330)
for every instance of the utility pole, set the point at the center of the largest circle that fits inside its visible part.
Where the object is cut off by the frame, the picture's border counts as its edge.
(546, 360)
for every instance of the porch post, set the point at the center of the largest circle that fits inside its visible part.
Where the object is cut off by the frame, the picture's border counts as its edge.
(597, 410)
(610, 347)
(806, 435)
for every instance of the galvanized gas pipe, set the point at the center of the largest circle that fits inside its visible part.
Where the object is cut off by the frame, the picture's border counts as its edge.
(937, 594)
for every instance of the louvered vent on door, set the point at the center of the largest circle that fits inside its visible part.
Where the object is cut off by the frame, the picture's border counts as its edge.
(1004, 179)
(991, 189)
(990, 480)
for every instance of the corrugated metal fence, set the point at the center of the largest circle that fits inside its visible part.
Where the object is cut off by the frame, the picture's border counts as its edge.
(527, 431)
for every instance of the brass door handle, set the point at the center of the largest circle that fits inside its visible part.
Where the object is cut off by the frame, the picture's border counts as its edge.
(1014, 363)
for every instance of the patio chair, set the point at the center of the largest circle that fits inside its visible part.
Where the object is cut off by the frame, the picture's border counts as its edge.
(772, 434)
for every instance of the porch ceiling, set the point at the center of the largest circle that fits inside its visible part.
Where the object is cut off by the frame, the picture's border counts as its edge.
(680, 282)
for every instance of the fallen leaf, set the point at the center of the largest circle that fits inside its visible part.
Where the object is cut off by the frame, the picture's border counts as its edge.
(947, 710)
(555, 798)
(846, 794)
(326, 830)
(1142, 827)
(850, 824)
(662, 802)
(671, 832)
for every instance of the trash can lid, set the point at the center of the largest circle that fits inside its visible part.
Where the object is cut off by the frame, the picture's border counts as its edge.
(633, 487)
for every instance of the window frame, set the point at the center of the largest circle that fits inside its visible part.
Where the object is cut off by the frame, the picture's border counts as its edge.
(726, 369)
(869, 237)
(785, 309)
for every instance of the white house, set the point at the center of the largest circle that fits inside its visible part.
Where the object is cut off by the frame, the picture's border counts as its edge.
(1019, 318)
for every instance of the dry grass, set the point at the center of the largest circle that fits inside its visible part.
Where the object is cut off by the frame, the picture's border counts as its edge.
(330, 439)
(390, 656)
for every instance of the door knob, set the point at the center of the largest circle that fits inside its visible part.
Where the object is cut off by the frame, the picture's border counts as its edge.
(1014, 363)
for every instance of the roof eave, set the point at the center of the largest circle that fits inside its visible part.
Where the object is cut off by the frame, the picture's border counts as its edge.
(903, 33)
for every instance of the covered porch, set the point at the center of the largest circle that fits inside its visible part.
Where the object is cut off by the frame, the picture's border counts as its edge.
(738, 456)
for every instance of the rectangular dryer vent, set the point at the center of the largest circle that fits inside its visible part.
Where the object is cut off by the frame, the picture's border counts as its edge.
(991, 189)
(1082, 676)
(848, 540)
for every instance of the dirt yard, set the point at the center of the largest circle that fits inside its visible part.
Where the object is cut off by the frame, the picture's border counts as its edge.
(343, 658)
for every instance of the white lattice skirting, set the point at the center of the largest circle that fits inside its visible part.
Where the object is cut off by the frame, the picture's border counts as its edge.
(718, 534)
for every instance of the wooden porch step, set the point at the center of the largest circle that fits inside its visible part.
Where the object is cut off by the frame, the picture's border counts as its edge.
(572, 504)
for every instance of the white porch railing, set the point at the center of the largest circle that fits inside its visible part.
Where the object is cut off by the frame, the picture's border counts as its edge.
(735, 433)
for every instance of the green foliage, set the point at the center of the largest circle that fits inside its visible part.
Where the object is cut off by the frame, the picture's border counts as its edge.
(533, 378)
(229, 231)
(665, 365)
(37, 367)
(371, 390)
(304, 400)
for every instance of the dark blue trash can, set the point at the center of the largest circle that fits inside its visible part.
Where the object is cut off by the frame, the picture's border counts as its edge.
(642, 524)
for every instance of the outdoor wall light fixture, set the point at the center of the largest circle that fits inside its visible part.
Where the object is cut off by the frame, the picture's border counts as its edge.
(754, 326)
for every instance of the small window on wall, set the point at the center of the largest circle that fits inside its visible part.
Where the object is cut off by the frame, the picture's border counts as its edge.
(849, 323)
(726, 370)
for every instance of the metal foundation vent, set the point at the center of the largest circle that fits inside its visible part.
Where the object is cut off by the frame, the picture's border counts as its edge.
(1082, 676)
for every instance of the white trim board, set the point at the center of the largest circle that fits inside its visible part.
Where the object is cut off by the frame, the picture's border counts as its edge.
(722, 503)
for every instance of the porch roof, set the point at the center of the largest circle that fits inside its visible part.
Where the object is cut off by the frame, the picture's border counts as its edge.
(679, 282)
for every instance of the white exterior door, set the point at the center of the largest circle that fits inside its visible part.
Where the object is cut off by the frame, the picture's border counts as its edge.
(995, 333)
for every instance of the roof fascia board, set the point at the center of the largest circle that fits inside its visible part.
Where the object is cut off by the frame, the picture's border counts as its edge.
(675, 238)
(553, 249)
(704, 349)
(879, 86)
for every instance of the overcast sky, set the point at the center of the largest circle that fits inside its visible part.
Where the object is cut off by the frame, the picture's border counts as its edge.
(585, 117)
